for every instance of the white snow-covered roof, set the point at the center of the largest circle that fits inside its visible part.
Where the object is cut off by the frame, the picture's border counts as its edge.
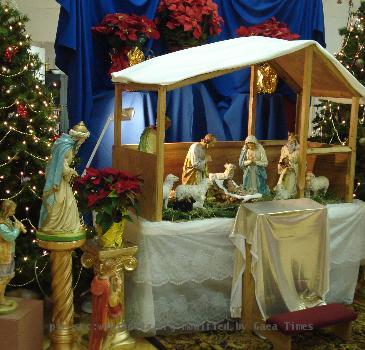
(177, 69)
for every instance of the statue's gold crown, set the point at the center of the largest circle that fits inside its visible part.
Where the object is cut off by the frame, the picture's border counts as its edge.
(81, 127)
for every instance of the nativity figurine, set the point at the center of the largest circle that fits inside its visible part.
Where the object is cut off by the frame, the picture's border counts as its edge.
(59, 214)
(253, 162)
(147, 141)
(195, 167)
(288, 168)
(10, 228)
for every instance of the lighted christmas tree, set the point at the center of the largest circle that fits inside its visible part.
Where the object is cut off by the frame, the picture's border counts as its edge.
(27, 127)
(331, 124)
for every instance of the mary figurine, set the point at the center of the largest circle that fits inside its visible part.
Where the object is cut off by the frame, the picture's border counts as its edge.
(253, 162)
(59, 213)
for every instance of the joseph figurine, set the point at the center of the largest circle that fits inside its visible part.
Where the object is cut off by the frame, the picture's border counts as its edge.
(195, 167)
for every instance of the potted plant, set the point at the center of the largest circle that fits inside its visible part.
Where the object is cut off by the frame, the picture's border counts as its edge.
(126, 36)
(187, 23)
(267, 79)
(110, 193)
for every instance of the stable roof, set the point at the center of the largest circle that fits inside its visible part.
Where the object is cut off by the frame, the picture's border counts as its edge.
(185, 67)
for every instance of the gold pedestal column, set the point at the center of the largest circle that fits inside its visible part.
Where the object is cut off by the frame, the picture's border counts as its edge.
(63, 335)
(106, 262)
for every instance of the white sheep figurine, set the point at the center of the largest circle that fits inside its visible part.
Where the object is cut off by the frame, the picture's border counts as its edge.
(228, 173)
(167, 187)
(197, 192)
(315, 184)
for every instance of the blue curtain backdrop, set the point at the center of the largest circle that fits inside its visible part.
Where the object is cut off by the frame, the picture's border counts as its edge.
(218, 106)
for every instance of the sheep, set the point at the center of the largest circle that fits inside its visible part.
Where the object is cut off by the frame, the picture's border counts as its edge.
(197, 192)
(228, 173)
(167, 186)
(315, 184)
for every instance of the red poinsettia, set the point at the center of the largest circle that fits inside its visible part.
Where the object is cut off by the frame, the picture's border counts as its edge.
(188, 22)
(109, 192)
(271, 28)
(124, 32)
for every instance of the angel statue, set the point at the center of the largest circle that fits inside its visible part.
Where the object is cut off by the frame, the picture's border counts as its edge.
(288, 167)
(253, 162)
(59, 213)
(147, 141)
(195, 167)
(10, 228)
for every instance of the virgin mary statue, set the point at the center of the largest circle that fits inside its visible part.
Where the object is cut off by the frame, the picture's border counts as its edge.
(59, 213)
(253, 162)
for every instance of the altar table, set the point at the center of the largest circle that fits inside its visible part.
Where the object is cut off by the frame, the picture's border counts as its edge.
(184, 276)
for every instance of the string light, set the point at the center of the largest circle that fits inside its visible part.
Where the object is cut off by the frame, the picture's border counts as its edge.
(14, 196)
(10, 159)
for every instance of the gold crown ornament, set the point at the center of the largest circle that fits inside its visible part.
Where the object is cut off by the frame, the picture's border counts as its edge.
(79, 131)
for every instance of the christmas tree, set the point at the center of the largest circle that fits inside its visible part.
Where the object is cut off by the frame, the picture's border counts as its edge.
(27, 128)
(331, 123)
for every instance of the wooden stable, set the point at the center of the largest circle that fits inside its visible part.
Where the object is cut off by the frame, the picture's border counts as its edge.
(309, 71)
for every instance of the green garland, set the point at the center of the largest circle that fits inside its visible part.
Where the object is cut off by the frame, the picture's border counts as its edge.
(211, 210)
(222, 210)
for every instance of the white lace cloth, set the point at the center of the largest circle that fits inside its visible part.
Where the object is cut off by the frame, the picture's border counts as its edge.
(184, 273)
(177, 253)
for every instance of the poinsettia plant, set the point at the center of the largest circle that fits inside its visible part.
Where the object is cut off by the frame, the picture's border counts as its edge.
(109, 192)
(271, 28)
(125, 32)
(185, 23)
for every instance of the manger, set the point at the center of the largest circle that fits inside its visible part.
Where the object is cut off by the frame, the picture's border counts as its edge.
(304, 65)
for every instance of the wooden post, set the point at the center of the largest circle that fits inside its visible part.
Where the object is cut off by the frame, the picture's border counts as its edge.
(248, 290)
(297, 114)
(160, 140)
(252, 102)
(304, 118)
(350, 175)
(118, 115)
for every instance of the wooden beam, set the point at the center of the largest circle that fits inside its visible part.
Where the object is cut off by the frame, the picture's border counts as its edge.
(331, 93)
(251, 129)
(329, 150)
(304, 118)
(160, 140)
(285, 76)
(118, 115)
(297, 113)
(139, 87)
(350, 175)
(248, 290)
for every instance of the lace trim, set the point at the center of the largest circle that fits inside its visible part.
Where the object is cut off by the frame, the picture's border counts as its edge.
(194, 315)
(181, 282)
(189, 263)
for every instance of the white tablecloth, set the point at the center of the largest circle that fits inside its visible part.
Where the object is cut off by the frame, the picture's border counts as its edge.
(185, 270)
